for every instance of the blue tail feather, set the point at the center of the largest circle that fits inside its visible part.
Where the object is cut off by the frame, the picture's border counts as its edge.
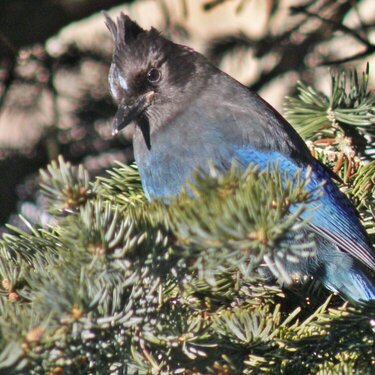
(341, 273)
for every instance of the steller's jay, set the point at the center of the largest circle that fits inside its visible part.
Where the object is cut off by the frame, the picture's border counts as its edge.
(189, 114)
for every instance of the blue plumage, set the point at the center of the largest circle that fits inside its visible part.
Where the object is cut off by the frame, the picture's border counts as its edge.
(188, 114)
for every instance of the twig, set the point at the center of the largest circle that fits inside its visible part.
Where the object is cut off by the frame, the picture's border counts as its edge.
(357, 56)
(339, 26)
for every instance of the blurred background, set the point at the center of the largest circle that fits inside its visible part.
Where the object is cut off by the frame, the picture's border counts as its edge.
(55, 56)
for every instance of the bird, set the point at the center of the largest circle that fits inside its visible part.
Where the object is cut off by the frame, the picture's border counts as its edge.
(187, 114)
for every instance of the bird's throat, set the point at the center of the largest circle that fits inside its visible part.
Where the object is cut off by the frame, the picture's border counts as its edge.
(143, 125)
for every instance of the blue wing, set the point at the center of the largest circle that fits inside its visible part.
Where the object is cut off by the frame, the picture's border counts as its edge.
(334, 218)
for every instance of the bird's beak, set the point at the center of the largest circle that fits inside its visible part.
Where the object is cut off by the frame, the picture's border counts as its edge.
(127, 112)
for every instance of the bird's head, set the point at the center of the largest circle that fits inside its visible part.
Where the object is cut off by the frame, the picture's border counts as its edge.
(148, 72)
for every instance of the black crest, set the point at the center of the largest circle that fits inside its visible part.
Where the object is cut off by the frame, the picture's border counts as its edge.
(125, 31)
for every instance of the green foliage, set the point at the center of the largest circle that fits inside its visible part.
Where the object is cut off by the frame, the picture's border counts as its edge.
(67, 188)
(244, 222)
(349, 112)
(120, 285)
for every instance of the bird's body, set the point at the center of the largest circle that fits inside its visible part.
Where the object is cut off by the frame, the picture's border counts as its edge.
(230, 132)
(190, 115)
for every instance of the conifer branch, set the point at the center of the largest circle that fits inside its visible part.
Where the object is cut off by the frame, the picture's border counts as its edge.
(120, 285)
(344, 120)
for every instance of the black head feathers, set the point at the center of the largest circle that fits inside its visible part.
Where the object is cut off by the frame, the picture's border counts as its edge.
(150, 70)
(125, 30)
(133, 44)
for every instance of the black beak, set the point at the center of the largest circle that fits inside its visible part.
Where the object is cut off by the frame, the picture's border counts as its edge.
(127, 112)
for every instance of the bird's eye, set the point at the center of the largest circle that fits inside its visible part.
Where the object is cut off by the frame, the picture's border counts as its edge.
(153, 75)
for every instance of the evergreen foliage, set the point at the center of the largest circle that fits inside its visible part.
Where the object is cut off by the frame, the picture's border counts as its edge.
(345, 118)
(118, 285)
